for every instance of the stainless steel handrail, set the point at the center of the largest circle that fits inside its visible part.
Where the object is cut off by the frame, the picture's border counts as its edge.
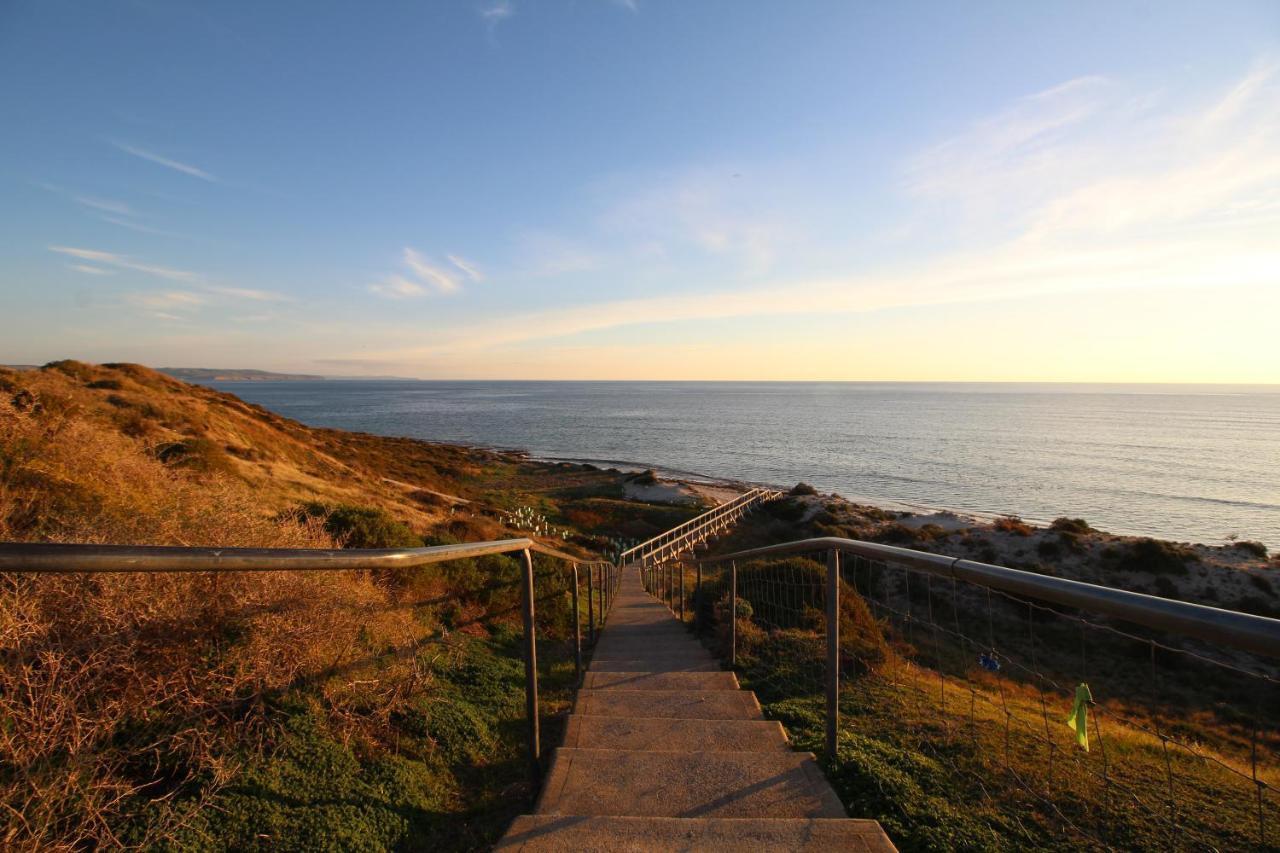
(697, 523)
(63, 558)
(44, 557)
(1243, 631)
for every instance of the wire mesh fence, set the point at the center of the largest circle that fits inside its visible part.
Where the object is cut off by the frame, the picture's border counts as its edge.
(1058, 723)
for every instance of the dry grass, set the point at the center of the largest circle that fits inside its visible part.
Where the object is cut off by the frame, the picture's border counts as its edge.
(123, 690)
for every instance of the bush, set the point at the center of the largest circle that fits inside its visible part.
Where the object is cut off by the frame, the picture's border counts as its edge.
(197, 454)
(1012, 524)
(789, 595)
(802, 489)
(106, 385)
(1078, 526)
(1262, 583)
(363, 526)
(1257, 549)
(1154, 556)
(645, 478)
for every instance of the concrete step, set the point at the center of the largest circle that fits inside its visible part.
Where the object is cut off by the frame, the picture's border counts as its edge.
(780, 784)
(639, 647)
(690, 652)
(665, 631)
(663, 734)
(641, 680)
(669, 704)
(547, 833)
(653, 665)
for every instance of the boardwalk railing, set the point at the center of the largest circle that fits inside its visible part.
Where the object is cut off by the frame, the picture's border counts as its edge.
(983, 665)
(696, 530)
(601, 581)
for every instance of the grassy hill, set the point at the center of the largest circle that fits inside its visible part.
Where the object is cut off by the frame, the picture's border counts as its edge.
(269, 710)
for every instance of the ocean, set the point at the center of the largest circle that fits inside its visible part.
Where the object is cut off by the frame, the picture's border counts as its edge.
(1191, 463)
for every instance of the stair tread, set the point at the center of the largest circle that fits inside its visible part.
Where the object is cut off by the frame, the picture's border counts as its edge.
(686, 704)
(641, 680)
(653, 664)
(687, 784)
(546, 833)
(663, 734)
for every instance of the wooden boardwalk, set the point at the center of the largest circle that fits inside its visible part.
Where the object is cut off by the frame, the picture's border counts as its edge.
(664, 751)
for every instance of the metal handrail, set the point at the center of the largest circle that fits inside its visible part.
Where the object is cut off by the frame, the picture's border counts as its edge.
(65, 558)
(1243, 631)
(697, 523)
(46, 557)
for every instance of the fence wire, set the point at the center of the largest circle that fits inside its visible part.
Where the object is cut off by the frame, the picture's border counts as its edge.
(1179, 740)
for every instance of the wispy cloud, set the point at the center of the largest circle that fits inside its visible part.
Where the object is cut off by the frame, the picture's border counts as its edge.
(1163, 210)
(468, 268)
(1009, 144)
(168, 163)
(105, 205)
(423, 277)
(125, 262)
(495, 13)
(137, 226)
(250, 294)
(90, 270)
(397, 287)
(167, 300)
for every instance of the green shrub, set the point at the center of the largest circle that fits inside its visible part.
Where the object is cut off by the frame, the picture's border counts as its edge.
(801, 489)
(1154, 556)
(1012, 524)
(363, 526)
(1077, 526)
(1257, 549)
(198, 454)
(1262, 583)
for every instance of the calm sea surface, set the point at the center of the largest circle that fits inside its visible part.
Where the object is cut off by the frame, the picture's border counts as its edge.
(1195, 463)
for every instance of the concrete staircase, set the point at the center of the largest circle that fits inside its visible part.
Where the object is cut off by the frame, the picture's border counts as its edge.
(664, 752)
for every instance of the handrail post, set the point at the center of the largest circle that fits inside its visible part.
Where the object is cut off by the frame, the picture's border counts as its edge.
(833, 650)
(682, 591)
(733, 613)
(531, 672)
(577, 627)
(591, 605)
(697, 598)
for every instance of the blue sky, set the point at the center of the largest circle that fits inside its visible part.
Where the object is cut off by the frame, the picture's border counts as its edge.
(608, 189)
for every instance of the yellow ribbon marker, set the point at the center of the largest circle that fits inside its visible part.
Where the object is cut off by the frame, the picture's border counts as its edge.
(1079, 719)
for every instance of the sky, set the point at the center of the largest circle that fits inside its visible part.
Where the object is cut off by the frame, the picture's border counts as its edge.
(645, 189)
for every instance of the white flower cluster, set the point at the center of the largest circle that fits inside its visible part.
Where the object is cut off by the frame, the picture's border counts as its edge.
(524, 518)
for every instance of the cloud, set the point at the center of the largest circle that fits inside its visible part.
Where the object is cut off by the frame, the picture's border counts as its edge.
(423, 277)
(250, 294)
(119, 208)
(1007, 145)
(177, 166)
(497, 12)
(137, 226)
(468, 268)
(168, 300)
(90, 270)
(1166, 208)
(397, 287)
(125, 262)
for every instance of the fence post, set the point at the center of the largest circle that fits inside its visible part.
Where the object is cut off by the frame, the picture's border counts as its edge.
(833, 650)
(531, 672)
(577, 627)
(591, 605)
(733, 613)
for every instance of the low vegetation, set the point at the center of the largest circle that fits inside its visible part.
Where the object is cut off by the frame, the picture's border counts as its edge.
(954, 703)
(283, 711)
